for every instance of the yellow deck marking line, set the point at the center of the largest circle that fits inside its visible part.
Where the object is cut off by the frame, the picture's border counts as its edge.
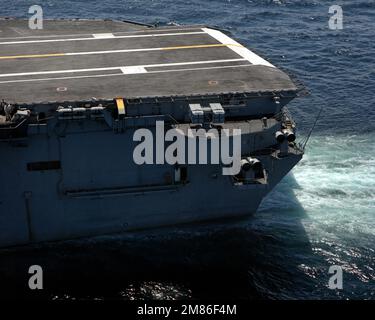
(48, 55)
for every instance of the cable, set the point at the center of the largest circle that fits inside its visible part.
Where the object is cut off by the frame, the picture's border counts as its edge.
(312, 129)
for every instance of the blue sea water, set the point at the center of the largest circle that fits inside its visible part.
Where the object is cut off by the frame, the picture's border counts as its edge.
(322, 214)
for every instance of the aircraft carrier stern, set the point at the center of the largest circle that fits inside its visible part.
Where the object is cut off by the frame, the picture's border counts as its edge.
(74, 94)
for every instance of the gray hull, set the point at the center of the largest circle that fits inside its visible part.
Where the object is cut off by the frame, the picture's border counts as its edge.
(100, 191)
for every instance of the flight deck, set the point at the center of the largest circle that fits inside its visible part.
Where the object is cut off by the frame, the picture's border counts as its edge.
(78, 60)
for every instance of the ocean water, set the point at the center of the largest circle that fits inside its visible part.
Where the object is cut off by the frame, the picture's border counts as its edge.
(321, 214)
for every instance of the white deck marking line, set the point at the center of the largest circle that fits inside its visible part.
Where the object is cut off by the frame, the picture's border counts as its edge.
(89, 34)
(57, 72)
(112, 51)
(103, 35)
(133, 70)
(99, 38)
(237, 47)
(121, 74)
(118, 68)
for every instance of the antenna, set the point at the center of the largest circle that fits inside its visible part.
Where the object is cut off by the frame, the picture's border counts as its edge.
(312, 129)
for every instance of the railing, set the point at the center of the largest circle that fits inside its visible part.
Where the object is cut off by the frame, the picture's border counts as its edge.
(14, 130)
(285, 116)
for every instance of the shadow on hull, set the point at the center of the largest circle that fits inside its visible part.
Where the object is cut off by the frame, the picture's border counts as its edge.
(259, 257)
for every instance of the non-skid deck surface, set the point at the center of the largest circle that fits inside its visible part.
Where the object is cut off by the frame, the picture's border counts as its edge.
(80, 60)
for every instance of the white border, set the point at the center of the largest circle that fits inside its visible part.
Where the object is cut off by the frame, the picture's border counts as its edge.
(237, 47)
